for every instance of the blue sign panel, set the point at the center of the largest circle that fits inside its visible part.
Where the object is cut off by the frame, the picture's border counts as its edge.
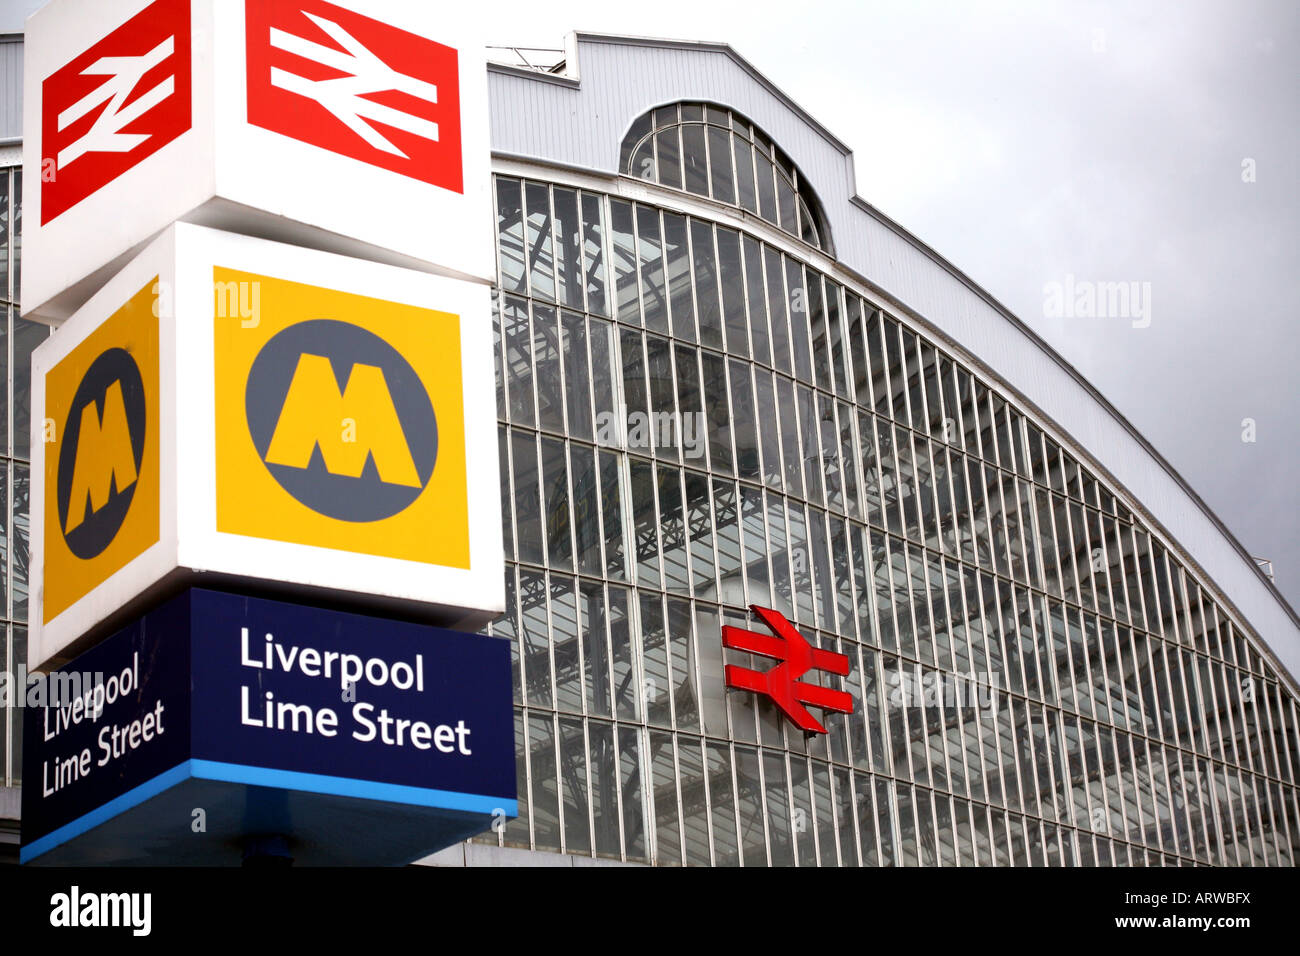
(303, 690)
(113, 722)
(253, 716)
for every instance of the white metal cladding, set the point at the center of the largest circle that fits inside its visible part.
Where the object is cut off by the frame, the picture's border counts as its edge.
(579, 120)
(11, 87)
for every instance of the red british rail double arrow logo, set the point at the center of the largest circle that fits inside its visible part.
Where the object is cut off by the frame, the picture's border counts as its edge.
(114, 105)
(796, 658)
(356, 86)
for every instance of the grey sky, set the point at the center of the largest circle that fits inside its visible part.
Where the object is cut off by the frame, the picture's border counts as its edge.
(1028, 141)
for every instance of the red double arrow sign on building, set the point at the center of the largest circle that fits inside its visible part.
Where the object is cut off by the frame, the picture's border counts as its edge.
(782, 684)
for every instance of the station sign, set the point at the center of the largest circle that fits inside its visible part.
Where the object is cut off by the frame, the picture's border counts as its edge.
(218, 715)
(243, 411)
(786, 684)
(353, 126)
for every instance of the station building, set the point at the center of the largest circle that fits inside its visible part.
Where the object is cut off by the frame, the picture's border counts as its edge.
(724, 379)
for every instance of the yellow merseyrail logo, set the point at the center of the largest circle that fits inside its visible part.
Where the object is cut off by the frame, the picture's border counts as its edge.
(101, 461)
(339, 421)
(103, 453)
(313, 410)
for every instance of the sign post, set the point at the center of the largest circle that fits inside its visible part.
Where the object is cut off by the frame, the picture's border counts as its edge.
(266, 500)
(217, 716)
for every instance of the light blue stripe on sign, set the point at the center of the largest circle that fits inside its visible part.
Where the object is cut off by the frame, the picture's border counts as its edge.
(137, 795)
(351, 787)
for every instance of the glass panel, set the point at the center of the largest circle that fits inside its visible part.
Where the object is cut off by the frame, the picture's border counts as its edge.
(594, 254)
(782, 586)
(498, 377)
(695, 160)
(800, 563)
(778, 809)
(636, 410)
(510, 234)
(546, 351)
(755, 546)
(595, 648)
(849, 461)
(658, 694)
(528, 511)
(712, 686)
(640, 129)
(555, 482)
(733, 292)
(612, 513)
(682, 660)
(629, 747)
(809, 228)
(625, 281)
(715, 406)
(586, 510)
(654, 294)
(534, 633)
(706, 284)
(577, 384)
(573, 773)
(767, 425)
(798, 299)
(669, 166)
(749, 804)
(839, 357)
(602, 382)
(744, 423)
(757, 303)
(518, 344)
(641, 163)
(679, 276)
(722, 798)
(810, 430)
(541, 268)
(821, 352)
(720, 178)
(645, 524)
(777, 309)
(626, 690)
(664, 435)
(546, 813)
(568, 250)
(766, 187)
(604, 787)
(786, 204)
(695, 817)
(747, 196)
(727, 518)
(664, 789)
(790, 456)
(673, 530)
(690, 407)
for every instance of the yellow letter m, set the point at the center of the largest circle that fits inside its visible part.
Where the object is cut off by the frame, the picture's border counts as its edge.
(104, 455)
(313, 415)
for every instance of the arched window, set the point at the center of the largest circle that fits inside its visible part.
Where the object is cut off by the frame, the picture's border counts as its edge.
(710, 151)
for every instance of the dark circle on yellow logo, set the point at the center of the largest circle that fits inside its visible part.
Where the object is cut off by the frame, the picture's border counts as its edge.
(364, 497)
(92, 409)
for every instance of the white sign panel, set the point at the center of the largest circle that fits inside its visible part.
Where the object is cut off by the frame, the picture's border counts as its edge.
(232, 410)
(354, 126)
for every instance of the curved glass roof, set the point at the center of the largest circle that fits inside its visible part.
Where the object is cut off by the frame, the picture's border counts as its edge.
(713, 152)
